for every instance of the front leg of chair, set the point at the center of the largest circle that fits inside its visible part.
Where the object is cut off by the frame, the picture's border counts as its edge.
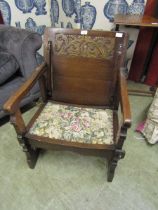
(19, 125)
(31, 153)
(117, 154)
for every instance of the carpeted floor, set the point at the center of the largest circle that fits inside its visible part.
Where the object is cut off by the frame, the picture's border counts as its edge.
(67, 181)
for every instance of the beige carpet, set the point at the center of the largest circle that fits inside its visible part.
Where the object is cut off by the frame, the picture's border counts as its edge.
(68, 181)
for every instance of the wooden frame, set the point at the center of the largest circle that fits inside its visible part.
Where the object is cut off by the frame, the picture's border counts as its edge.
(1, 18)
(44, 74)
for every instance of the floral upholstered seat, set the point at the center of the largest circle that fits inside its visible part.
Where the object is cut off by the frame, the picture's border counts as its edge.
(75, 124)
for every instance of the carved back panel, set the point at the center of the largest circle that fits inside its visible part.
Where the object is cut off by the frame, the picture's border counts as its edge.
(83, 67)
(83, 46)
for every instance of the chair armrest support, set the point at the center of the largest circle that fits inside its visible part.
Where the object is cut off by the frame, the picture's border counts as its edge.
(12, 104)
(17, 121)
(124, 101)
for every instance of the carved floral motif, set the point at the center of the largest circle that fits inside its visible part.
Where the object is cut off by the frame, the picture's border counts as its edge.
(85, 46)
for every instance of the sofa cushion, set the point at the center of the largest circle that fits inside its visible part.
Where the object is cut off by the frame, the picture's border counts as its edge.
(8, 66)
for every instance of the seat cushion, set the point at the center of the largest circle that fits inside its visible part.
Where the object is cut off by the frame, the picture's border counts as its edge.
(75, 124)
(8, 66)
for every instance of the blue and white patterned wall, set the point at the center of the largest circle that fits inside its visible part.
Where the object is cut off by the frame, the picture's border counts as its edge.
(32, 14)
(67, 13)
(93, 14)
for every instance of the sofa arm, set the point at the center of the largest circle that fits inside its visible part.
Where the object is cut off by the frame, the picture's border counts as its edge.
(13, 102)
(23, 45)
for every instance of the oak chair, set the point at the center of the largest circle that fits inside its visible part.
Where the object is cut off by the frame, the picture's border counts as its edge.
(82, 84)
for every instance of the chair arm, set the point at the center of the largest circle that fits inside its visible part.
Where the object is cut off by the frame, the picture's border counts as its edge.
(12, 103)
(124, 101)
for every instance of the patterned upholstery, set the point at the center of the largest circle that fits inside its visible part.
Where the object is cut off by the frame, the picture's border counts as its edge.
(75, 124)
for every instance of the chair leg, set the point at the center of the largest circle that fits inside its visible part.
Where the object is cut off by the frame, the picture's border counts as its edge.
(111, 170)
(31, 154)
(117, 155)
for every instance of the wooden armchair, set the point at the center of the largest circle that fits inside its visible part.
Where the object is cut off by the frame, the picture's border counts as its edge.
(82, 85)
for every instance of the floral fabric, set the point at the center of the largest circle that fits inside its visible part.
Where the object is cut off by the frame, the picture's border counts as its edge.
(150, 130)
(76, 124)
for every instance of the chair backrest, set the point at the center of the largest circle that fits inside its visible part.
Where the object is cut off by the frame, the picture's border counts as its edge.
(84, 64)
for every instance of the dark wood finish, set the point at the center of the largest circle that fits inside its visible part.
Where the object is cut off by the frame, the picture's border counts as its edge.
(139, 61)
(42, 140)
(18, 122)
(35, 116)
(80, 80)
(152, 73)
(1, 18)
(83, 151)
(136, 20)
(145, 43)
(124, 102)
(140, 93)
(43, 88)
(19, 125)
(151, 8)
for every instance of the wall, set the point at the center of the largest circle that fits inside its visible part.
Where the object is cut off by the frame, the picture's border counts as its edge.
(105, 11)
(94, 14)
(26, 14)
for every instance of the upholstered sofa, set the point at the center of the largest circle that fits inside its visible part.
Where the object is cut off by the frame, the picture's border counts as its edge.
(18, 49)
